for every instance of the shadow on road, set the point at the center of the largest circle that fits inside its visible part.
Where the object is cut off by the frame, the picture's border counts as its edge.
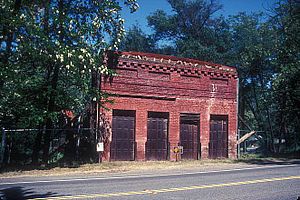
(266, 161)
(18, 193)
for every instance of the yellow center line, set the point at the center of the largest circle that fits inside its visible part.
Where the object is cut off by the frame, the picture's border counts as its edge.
(143, 192)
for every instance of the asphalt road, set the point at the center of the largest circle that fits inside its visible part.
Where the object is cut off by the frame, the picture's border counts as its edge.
(281, 182)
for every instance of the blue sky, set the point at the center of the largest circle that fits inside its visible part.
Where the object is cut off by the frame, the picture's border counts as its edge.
(230, 7)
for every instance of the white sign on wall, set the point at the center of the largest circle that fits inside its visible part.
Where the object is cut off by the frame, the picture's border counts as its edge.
(100, 147)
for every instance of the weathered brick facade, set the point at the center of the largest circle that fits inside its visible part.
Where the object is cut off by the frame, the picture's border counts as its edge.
(158, 83)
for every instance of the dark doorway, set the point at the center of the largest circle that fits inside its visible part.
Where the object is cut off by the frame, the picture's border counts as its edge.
(123, 135)
(190, 135)
(157, 136)
(218, 142)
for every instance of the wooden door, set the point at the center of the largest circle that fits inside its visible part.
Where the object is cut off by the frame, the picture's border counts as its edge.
(123, 136)
(189, 135)
(157, 137)
(218, 142)
(189, 141)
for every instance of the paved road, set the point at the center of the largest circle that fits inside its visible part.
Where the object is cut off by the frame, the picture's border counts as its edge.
(281, 182)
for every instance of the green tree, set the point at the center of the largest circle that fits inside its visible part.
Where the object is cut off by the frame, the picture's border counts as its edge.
(49, 51)
(286, 22)
(252, 53)
(266, 52)
(136, 40)
(192, 31)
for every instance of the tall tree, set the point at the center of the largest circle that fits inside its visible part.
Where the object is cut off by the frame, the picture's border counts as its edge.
(252, 53)
(136, 40)
(286, 22)
(49, 49)
(192, 30)
(266, 52)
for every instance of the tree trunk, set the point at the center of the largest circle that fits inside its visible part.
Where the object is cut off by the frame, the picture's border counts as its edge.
(37, 147)
(51, 109)
(266, 107)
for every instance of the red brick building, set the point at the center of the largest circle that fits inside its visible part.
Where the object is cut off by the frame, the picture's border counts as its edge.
(164, 101)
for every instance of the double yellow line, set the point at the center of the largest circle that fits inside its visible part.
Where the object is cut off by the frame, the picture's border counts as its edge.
(143, 192)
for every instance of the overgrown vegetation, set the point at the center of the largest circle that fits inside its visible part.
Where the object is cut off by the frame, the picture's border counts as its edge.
(51, 57)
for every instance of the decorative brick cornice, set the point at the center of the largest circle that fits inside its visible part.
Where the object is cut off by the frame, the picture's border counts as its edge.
(168, 64)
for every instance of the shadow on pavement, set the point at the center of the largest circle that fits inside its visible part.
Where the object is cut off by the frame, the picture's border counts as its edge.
(281, 161)
(18, 193)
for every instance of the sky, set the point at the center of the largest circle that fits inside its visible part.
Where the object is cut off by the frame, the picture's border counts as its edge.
(230, 7)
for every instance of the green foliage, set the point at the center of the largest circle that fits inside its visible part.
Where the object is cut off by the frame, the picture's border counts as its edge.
(137, 40)
(192, 31)
(48, 52)
(286, 22)
(266, 53)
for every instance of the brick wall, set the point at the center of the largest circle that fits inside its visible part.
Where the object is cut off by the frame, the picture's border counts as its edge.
(149, 82)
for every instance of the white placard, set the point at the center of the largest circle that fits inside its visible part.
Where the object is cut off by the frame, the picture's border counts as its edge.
(100, 147)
